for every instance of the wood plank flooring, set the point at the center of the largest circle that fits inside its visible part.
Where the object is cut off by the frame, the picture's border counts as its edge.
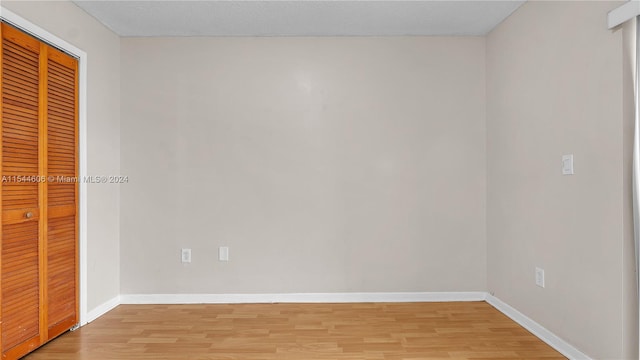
(362, 331)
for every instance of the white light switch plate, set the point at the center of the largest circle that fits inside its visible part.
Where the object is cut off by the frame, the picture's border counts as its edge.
(186, 256)
(567, 164)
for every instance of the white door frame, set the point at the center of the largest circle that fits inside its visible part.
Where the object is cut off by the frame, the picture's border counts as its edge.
(49, 38)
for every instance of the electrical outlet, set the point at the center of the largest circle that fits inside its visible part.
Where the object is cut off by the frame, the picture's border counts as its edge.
(540, 277)
(567, 164)
(186, 256)
(223, 253)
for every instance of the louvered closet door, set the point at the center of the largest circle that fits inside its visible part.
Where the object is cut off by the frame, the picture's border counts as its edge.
(38, 258)
(21, 221)
(61, 192)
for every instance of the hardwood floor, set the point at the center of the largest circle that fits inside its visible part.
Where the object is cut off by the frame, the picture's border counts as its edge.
(363, 331)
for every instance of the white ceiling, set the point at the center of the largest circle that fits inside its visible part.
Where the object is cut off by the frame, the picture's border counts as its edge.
(299, 18)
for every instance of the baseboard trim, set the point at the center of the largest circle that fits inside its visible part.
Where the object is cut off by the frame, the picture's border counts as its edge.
(102, 309)
(301, 298)
(536, 329)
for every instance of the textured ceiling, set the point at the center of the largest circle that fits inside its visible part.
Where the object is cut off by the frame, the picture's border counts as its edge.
(299, 18)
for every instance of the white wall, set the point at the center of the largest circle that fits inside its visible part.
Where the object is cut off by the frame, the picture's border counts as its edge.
(325, 164)
(67, 21)
(555, 86)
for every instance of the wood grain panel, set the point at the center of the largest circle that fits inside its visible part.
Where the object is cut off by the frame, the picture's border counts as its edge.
(20, 96)
(61, 282)
(360, 331)
(20, 283)
(61, 129)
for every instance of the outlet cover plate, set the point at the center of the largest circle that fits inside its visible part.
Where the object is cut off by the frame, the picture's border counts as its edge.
(223, 253)
(540, 277)
(567, 164)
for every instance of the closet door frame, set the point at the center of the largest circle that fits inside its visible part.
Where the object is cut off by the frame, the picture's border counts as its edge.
(46, 37)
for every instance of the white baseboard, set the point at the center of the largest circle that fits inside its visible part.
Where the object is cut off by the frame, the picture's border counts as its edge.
(102, 309)
(301, 298)
(538, 330)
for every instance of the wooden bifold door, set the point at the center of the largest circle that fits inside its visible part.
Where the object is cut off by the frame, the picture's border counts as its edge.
(39, 169)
